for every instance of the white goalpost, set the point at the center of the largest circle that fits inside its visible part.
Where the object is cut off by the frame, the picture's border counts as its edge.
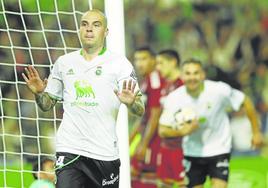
(37, 32)
(114, 11)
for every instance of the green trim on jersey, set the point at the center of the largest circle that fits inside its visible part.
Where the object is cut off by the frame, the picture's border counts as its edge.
(103, 50)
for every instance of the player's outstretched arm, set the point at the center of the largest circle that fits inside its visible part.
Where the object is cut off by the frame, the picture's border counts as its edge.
(137, 107)
(149, 132)
(131, 98)
(37, 87)
(44, 101)
(169, 132)
(257, 138)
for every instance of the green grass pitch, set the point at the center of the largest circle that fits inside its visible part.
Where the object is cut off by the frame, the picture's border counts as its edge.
(246, 172)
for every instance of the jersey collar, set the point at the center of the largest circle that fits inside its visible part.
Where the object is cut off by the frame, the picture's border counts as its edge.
(103, 50)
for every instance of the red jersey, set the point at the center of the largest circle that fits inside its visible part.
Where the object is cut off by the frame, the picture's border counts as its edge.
(151, 87)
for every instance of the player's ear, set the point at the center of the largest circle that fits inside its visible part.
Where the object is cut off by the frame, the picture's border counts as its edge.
(106, 32)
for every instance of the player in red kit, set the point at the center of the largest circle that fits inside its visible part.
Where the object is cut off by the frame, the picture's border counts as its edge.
(143, 162)
(170, 169)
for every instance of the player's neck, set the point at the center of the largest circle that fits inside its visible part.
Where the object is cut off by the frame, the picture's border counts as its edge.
(196, 93)
(91, 53)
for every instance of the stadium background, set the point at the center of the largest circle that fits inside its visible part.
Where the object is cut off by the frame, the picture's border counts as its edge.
(231, 37)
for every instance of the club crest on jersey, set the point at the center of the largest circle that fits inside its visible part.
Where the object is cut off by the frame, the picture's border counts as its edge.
(83, 89)
(98, 70)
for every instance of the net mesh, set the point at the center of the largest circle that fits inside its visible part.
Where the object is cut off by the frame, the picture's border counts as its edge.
(32, 32)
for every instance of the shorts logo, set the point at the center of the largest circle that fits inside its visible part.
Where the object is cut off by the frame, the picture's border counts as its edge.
(223, 163)
(112, 180)
(60, 161)
(225, 172)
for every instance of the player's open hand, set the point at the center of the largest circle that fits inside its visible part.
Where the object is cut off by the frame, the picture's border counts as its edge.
(33, 80)
(128, 93)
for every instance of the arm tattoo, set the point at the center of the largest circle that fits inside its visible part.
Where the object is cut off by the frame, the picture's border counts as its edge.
(44, 101)
(137, 107)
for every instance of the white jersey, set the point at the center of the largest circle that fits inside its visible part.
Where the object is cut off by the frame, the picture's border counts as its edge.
(213, 137)
(89, 102)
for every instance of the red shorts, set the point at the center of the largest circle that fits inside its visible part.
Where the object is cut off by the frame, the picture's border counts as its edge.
(170, 164)
(150, 159)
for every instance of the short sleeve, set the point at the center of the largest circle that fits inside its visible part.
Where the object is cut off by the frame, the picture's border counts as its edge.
(55, 85)
(154, 89)
(126, 72)
(234, 97)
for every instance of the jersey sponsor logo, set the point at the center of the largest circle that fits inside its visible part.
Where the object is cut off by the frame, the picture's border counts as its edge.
(112, 180)
(83, 89)
(84, 104)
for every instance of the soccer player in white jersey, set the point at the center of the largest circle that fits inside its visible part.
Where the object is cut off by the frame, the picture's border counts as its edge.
(92, 83)
(207, 139)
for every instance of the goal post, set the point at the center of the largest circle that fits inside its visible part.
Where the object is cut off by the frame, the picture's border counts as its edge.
(114, 11)
(37, 32)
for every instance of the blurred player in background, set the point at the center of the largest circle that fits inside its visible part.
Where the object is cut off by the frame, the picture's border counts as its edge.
(170, 169)
(44, 175)
(92, 83)
(207, 145)
(143, 162)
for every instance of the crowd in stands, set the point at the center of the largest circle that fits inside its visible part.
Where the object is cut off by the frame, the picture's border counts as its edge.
(230, 38)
